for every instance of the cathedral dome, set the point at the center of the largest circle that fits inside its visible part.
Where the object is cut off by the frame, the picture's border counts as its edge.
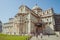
(36, 7)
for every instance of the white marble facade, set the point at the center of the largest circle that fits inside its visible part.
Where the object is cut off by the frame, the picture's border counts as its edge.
(24, 21)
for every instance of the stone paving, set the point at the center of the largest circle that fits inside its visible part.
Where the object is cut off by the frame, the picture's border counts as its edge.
(46, 37)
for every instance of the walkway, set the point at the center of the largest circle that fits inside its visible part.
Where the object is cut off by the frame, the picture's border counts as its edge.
(46, 37)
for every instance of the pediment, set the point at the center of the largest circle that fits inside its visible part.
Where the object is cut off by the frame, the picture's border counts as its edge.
(23, 9)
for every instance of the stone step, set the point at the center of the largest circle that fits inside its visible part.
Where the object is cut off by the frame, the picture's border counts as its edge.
(53, 37)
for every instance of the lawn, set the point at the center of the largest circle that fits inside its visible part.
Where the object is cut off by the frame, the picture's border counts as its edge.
(12, 37)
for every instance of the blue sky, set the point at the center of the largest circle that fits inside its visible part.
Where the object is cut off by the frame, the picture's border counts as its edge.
(9, 8)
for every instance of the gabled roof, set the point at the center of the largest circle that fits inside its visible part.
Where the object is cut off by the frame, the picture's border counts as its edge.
(24, 6)
(24, 9)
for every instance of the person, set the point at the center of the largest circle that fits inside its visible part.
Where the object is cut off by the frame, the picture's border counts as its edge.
(41, 35)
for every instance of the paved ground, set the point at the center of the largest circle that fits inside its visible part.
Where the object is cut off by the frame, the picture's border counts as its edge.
(46, 37)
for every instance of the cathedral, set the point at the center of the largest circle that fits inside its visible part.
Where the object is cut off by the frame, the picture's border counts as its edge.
(31, 21)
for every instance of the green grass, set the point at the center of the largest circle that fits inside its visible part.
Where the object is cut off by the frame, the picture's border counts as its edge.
(12, 37)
